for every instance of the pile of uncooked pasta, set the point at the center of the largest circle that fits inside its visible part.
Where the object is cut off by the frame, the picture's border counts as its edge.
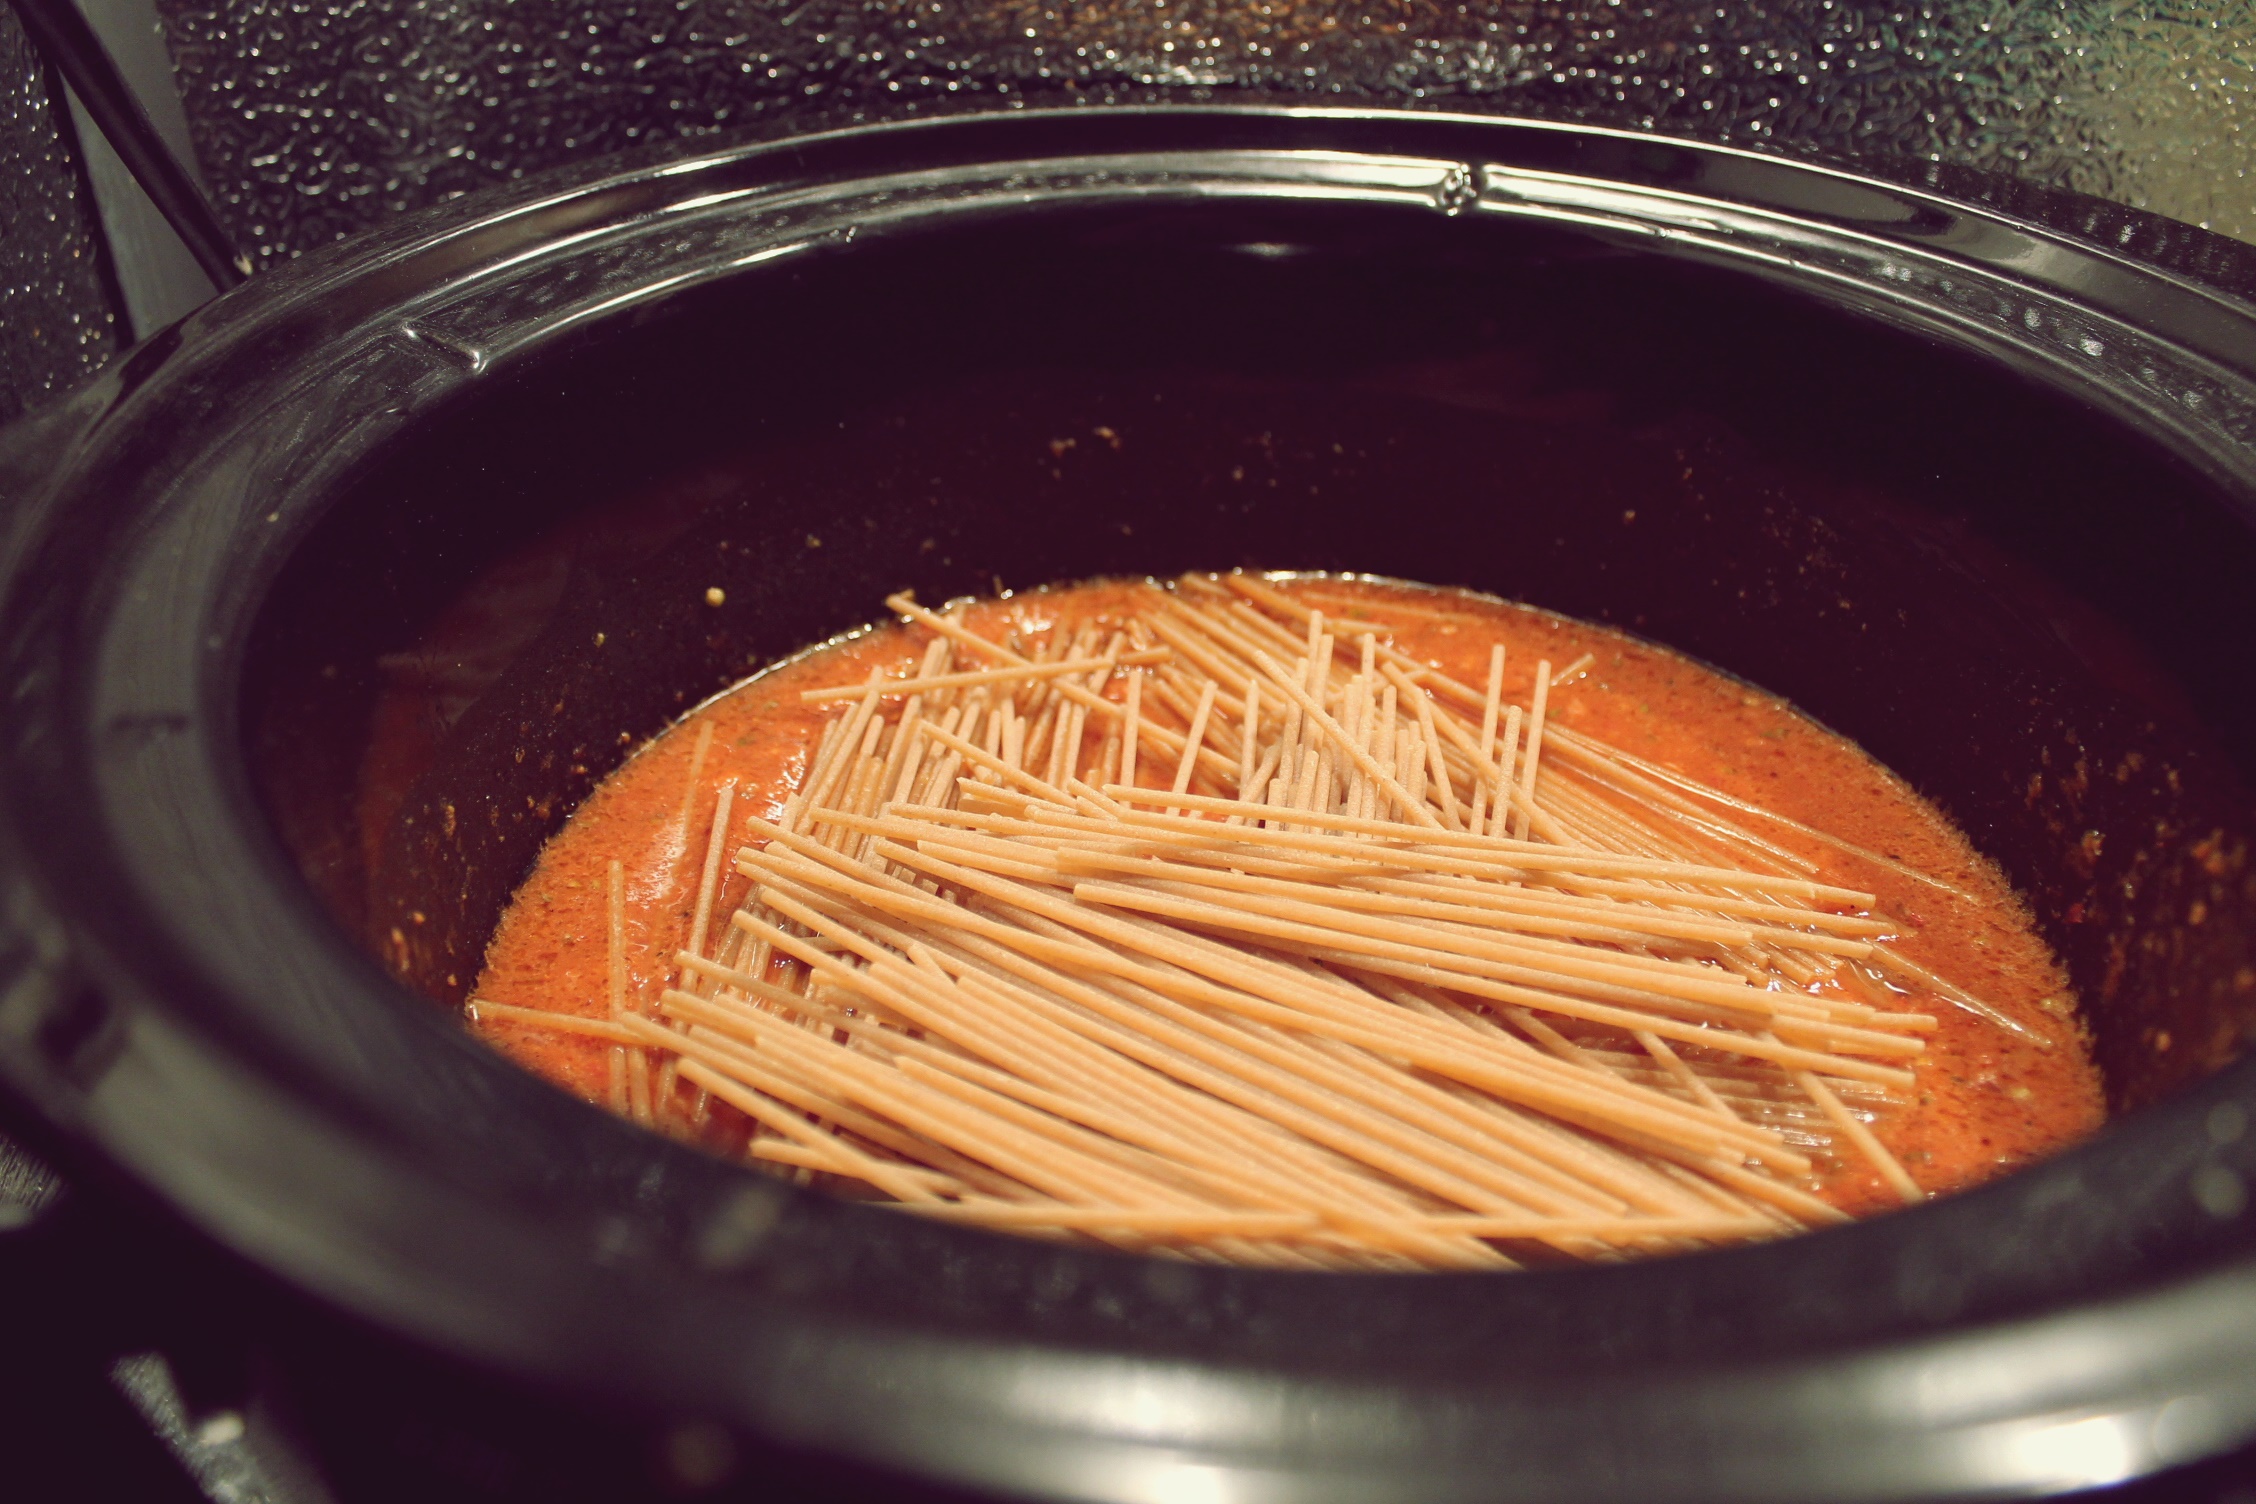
(1225, 930)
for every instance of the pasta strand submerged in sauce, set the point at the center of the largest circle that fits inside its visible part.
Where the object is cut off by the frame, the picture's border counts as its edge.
(1947, 1055)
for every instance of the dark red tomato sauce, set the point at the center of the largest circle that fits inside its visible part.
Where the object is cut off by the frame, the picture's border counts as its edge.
(1987, 1098)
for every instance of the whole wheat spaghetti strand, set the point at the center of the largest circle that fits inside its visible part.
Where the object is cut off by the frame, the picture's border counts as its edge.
(1028, 1157)
(1950, 992)
(1143, 1042)
(1145, 1221)
(1159, 736)
(1563, 967)
(1498, 851)
(697, 755)
(1595, 761)
(1010, 674)
(1524, 1177)
(1489, 706)
(720, 1039)
(1337, 736)
(1358, 889)
(1186, 849)
(1467, 1165)
(1401, 1153)
(1018, 983)
(1191, 636)
(1193, 739)
(1099, 1171)
(1508, 1130)
(1690, 1079)
(485, 1011)
(1437, 762)
(1254, 1184)
(629, 1088)
(902, 1185)
(1642, 1181)
(1703, 791)
(709, 873)
(1014, 777)
(1891, 1170)
(917, 997)
(1214, 975)
(1732, 1041)
(1537, 706)
(1103, 1159)
(824, 775)
(1388, 753)
(1198, 990)
(1131, 727)
(1414, 975)
(945, 1189)
(1661, 938)
(1574, 670)
(907, 749)
(1507, 802)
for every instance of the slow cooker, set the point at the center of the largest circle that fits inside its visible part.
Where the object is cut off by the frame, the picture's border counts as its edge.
(324, 608)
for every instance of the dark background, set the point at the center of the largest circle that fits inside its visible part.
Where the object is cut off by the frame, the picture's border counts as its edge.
(310, 119)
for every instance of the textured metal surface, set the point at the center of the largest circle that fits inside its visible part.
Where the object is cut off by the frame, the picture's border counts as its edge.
(57, 325)
(317, 117)
(157, 276)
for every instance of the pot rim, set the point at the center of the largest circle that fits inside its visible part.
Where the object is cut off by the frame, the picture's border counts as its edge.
(135, 1041)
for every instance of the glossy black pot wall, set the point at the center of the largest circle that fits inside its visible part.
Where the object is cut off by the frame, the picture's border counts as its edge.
(1973, 494)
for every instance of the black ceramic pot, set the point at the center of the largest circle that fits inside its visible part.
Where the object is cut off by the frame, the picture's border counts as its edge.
(325, 608)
